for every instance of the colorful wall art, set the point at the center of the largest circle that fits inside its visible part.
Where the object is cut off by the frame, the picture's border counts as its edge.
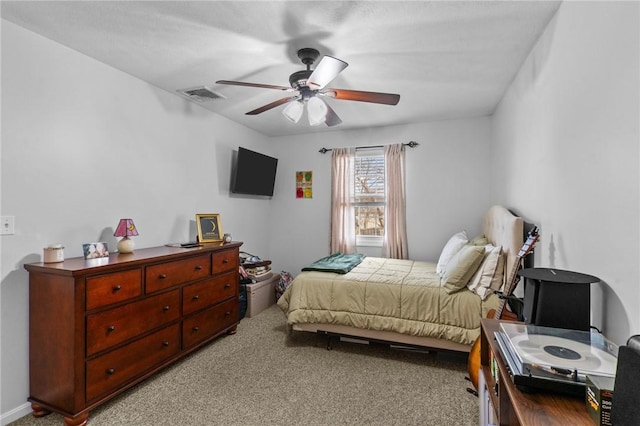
(304, 184)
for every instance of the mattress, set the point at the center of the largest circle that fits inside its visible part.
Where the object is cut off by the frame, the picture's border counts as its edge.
(380, 294)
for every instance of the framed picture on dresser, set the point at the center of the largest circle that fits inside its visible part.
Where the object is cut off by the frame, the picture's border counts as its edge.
(95, 250)
(209, 227)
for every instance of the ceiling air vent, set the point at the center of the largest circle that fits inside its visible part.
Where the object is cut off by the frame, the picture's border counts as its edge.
(201, 94)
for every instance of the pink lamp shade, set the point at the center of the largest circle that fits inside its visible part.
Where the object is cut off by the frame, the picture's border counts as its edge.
(125, 229)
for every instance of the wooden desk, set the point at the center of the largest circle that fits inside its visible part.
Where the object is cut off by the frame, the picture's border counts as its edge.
(513, 407)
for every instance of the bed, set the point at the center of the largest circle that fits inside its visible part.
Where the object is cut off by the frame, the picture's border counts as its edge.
(436, 305)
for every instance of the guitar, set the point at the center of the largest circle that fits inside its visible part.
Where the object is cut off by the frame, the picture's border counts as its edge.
(473, 364)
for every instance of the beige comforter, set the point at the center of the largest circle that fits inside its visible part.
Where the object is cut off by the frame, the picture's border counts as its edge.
(380, 294)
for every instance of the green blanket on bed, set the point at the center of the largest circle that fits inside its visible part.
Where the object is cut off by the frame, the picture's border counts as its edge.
(339, 263)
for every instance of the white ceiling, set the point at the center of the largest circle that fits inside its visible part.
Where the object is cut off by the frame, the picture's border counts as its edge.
(446, 59)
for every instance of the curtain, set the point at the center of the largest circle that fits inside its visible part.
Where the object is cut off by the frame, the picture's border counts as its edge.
(395, 236)
(343, 228)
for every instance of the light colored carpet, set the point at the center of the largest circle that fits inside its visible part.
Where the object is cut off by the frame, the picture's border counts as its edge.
(262, 376)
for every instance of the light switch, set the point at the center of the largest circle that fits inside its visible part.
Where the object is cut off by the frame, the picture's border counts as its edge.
(7, 225)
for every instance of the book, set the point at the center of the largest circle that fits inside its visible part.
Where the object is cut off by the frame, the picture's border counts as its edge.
(263, 277)
(258, 271)
(256, 264)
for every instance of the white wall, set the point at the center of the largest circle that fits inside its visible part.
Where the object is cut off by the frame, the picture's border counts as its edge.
(567, 153)
(84, 145)
(448, 187)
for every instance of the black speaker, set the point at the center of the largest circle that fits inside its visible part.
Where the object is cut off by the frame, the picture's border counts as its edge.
(557, 298)
(625, 408)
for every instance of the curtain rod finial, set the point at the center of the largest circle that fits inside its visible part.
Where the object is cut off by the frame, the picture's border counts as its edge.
(324, 150)
(412, 144)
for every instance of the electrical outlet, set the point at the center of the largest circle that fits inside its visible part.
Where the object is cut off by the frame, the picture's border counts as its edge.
(7, 225)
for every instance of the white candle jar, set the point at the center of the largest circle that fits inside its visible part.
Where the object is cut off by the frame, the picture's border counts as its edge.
(53, 254)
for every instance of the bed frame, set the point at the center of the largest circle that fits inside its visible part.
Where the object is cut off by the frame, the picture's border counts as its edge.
(501, 228)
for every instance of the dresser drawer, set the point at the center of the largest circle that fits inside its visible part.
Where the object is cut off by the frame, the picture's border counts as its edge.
(206, 293)
(108, 372)
(117, 325)
(206, 324)
(225, 261)
(111, 288)
(158, 277)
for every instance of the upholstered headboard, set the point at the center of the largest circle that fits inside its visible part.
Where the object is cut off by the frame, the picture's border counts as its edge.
(504, 229)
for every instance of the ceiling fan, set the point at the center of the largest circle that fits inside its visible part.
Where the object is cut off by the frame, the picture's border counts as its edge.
(309, 86)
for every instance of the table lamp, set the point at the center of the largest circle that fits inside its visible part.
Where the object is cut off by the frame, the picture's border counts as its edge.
(125, 229)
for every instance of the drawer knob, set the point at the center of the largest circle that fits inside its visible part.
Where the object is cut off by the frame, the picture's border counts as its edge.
(116, 288)
(163, 276)
(198, 267)
(226, 314)
(227, 285)
(111, 328)
(165, 308)
(111, 370)
(165, 343)
(196, 328)
(225, 261)
(196, 297)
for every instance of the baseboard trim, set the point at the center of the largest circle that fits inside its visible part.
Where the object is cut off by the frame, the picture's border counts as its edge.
(15, 414)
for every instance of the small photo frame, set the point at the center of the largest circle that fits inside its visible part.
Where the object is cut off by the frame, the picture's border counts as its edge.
(209, 228)
(95, 250)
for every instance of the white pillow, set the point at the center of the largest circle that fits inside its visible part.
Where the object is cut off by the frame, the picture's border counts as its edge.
(489, 275)
(488, 265)
(455, 243)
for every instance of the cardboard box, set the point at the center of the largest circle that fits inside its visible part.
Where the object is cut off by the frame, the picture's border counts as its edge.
(599, 395)
(261, 295)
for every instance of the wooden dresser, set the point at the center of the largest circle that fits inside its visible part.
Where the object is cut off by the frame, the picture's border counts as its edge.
(99, 326)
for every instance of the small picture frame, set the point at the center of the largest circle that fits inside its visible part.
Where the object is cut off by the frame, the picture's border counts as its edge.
(95, 250)
(209, 228)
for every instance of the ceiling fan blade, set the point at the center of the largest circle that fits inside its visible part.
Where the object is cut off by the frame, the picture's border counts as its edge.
(264, 86)
(358, 95)
(328, 69)
(332, 118)
(272, 105)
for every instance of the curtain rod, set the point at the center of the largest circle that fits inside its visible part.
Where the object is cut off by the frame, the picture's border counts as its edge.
(411, 144)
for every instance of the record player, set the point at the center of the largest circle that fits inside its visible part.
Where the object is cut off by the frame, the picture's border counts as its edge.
(554, 359)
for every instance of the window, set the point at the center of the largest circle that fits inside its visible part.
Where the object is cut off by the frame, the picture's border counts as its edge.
(362, 212)
(370, 199)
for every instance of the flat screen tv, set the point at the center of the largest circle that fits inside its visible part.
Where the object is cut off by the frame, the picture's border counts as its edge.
(254, 173)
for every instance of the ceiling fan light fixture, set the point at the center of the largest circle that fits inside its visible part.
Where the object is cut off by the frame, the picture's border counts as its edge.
(328, 68)
(316, 111)
(310, 86)
(293, 111)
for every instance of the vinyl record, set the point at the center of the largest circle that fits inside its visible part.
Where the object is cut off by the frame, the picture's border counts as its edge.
(553, 351)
